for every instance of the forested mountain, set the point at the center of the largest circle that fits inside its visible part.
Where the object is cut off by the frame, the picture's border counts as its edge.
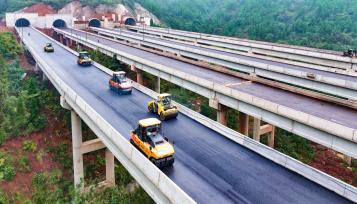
(13, 5)
(330, 24)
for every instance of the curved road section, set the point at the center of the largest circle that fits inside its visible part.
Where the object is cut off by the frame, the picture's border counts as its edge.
(208, 166)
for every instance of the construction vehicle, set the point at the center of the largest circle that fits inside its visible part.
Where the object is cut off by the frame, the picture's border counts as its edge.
(49, 48)
(120, 83)
(163, 107)
(148, 139)
(84, 59)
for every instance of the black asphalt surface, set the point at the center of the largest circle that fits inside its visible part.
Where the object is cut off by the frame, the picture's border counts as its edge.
(243, 57)
(341, 115)
(209, 167)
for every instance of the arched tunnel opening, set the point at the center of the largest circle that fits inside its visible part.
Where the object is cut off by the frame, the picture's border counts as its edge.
(130, 21)
(22, 22)
(94, 23)
(59, 23)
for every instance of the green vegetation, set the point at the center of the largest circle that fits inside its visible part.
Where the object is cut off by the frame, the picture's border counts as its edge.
(313, 23)
(23, 164)
(14, 5)
(7, 171)
(23, 104)
(293, 145)
(29, 146)
(20, 106)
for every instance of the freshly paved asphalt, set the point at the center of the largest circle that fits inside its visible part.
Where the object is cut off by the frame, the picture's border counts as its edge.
(341, 115)
(209, 167)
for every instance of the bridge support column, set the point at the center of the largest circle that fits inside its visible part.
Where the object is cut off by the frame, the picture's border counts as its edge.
(68, 42)
(243, 123)
(139, 74)
(256, 128)
(77, 154)
(109, 168)
(221, 110)
(80, 148)
(259, 130)
(158, 82)
(61, 38)
(270, 130)
(139, 77)
(222, 114)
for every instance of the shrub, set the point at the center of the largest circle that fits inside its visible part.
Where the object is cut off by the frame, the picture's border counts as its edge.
(7, 171)
(62, 155)
(29, 145)
(23, 164)
(2, 136)
(3, 198)
(294, 146)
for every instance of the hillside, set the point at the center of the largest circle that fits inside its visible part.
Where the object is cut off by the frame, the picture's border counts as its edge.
(313, 23)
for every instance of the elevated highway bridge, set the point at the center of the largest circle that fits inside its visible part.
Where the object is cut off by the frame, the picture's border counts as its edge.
(318, 79)
(213, 163)
(308, 117)
(328, 60)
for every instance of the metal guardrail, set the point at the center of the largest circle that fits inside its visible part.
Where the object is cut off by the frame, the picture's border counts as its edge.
(327, 84)
(227, 92)
(313, 56)
(160, 187)
(310, 173)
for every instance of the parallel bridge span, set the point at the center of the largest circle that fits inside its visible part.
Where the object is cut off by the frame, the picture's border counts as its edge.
(309, 118)
(240, 176)
(299, 75)
(334, 61)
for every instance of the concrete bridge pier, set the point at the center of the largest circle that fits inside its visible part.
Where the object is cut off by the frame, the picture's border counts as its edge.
(80, 148)
(222, 111)
(243, 120)
(78, 171)
(67, 42)
(61, 38)
(222, 114)
(259, 130)
(139, 77)
(139, 74)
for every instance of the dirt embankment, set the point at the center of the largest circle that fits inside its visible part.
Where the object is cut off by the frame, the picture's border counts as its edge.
(40, 160)
(331, 162)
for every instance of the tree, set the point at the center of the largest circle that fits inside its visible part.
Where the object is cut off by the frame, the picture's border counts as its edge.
(3, 87)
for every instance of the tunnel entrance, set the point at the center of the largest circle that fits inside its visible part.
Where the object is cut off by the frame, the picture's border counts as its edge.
(94, 23)
(22, 22)
(59, 23)
(130, 21)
